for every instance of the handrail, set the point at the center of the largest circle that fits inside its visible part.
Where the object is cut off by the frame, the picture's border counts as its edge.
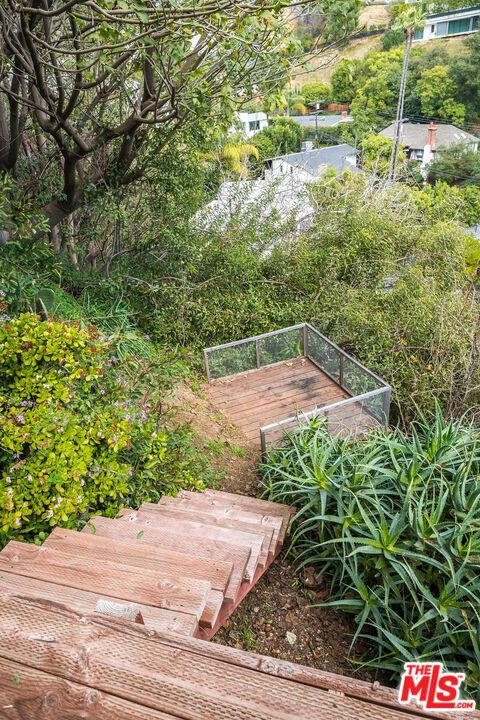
(346, 355)
(309, 413)
(253, 338)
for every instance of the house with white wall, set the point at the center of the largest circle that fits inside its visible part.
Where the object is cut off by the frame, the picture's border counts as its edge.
(451, 22)
(249, 123)
(421, 140)
(310, 163)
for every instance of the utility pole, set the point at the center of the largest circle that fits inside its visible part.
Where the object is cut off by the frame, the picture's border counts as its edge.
(411, 19)
(400, 105)
(316, 123)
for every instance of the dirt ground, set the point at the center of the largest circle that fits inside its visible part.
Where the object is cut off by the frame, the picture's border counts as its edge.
(277, 617)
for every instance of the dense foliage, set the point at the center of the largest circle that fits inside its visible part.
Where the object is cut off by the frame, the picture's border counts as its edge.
(81, 429)
(391, 521)
(440, 85)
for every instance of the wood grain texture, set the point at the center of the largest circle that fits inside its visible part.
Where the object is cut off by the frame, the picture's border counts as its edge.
(29, 694)
(223, 509)
(165, 676)
(161, 538)
(198, 532)
(109, 578)
(196, 515)
(217, 572)
(84, 602)
(267, 395)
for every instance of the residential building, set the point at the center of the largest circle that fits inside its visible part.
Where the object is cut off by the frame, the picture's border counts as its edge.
(323, 121)
(421, 141)
(249, 123)
(451, 22)
(310, 164)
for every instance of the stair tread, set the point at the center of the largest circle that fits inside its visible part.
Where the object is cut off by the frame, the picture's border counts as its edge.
(198, 531)
(161, 538)
(85, 601)
(195, 514)
(217, 572)
(223, 509)
(114, 579)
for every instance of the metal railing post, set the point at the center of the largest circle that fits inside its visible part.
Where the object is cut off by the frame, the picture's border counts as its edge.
(305, 341)
(341, 369)
(386, 406)
(257, 352)
(263, 444)
(207, 366)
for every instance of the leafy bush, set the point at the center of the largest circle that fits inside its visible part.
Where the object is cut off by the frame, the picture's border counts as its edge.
(392, 521)
(79, 433)
(314, 92)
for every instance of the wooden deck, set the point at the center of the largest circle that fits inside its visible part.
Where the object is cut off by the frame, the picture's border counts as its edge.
(267, 395)
(111, 624)
(182, 565)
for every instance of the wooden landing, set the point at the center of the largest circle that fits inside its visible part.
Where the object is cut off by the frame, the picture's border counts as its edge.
(57, 664)
(181, 566)
(260, 397)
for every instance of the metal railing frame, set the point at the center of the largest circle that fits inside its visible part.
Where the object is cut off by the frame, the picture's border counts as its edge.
(305, 327)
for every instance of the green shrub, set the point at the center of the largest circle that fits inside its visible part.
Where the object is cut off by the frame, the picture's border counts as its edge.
(392, 521)
(78, 430)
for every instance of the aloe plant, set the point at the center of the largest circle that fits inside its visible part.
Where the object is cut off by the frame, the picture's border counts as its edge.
(393, 521)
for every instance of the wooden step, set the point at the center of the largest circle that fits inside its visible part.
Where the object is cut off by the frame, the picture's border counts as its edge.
(85, 602)
(197, 531)
(42, 696)
(142, 669)
(217, 572)
(113, 579)
(223, 509)
(194, 514)
(248, 504)
(161, 538)
(212, 609)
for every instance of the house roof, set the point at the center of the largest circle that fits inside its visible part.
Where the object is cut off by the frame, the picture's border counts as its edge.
(458, 11)
(323, 121)
(312, 160)
(415, 135)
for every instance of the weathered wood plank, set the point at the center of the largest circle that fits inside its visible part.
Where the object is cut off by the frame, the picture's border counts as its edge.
(197, 532)
(291, 388)
(212, 609)
(29, 694)
(195, 514)
(220, 507)
(112, 579)
(161, 538)
(217, 572)
(141, 669)
(84, 602)
(224, 509)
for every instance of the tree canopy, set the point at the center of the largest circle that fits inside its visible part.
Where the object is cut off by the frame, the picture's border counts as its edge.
(84, 83)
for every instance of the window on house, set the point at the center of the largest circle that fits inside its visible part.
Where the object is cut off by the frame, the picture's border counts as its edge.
(441, 28)
(475, 23)
(254, 125)
(418, 35)
(459, 26)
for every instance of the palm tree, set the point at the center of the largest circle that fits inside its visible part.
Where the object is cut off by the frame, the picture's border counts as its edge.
(233, 157)
(411, 19)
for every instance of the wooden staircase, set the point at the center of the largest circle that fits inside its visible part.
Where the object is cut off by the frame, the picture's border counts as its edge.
(181, 566)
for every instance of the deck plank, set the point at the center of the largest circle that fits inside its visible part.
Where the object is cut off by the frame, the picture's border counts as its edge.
(38, 695)
(113, 579)
(264, 396)
(162, 538)
(217, 572)
(155, 672)
(198, 531)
